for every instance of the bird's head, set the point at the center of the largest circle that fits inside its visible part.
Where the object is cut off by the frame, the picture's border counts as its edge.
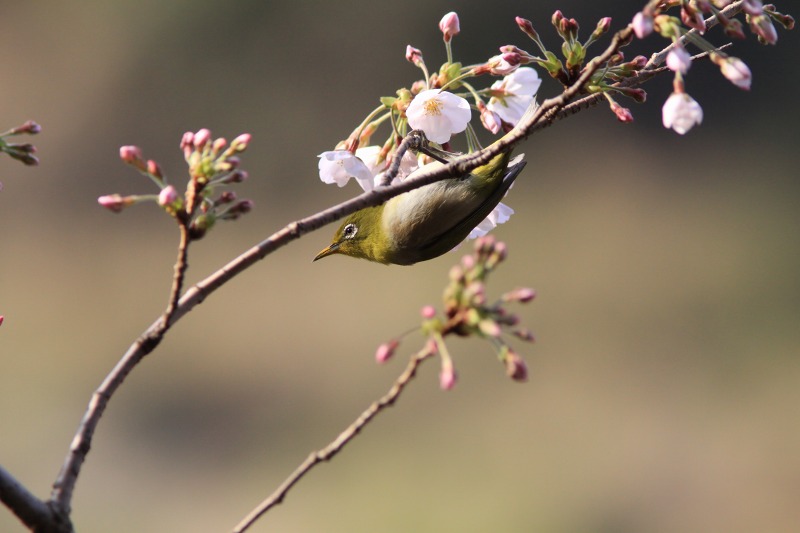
(361, 235)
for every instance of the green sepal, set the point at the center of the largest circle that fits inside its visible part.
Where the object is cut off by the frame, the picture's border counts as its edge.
(450, 71)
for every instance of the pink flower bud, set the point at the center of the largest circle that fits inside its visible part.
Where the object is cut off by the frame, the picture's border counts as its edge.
(132, 155)
(25, 157)
(490, 120)
(504, 64)
(167, 196)
(201, 138)
(525, 334)
(762, 26)
(115, 202)
(413, 55)
(636, 94)
(642, 24)
(681, 112)
(456, 273)
(557, 18)
(450, 26)
(515, 367)
(527, 27)
(468, 262)
(484, 245)
(237, 176)
(187, 140)
(489, 327)
(30, 127)
(218, 145)
(226, 197)
(736, 71)
(733, 28)
(447, 377)
(418, 86)
(238, 209)
(154, 170)
(498, 255)
(228, 164)
(241, 142)
(603, 25)
(693, 18)
(1, 319)
(787, 21)
(623, 114)
(679, 60)
(521, 294)
(475, 294)
(386, 350)
(428, 312)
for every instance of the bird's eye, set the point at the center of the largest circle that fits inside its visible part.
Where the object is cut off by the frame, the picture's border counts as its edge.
(350, 231)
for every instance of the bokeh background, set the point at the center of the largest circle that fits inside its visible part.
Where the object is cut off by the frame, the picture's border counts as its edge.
(665, 382)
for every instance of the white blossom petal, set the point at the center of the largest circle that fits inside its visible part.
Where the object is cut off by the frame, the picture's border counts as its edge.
(338, 166)
(679, 60)
(520, 87)
(501, 214)
(439, 114)
(737, 72)
(681, 113)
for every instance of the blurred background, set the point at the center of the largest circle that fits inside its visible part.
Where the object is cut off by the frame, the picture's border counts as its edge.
(664, 385)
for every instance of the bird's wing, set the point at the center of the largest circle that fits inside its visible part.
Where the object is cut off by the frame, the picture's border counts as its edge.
(463, 227)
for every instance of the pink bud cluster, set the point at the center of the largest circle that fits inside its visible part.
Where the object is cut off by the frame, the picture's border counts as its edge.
(468, 312)
(681, 112)
(21, 151)
(212, 163)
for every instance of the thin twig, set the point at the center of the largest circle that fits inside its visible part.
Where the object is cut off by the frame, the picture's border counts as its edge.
(64, 486)
(179, 273)
(394, 168)
(329, 451)
(659, 57)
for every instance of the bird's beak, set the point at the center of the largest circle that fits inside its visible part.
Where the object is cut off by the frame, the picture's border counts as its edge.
(330, 250)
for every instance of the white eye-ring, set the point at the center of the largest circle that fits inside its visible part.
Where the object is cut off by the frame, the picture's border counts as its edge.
(350, 231)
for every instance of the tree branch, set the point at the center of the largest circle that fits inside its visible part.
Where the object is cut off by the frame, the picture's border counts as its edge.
(329, 451)
(64, 486)
(34, 513)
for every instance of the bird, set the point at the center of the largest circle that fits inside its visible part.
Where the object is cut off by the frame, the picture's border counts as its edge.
(429, 221)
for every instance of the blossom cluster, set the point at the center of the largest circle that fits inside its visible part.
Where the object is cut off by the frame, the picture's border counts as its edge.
(467, 312)
(681, 112)
(441, 104)
(213, 163)
(438, 105)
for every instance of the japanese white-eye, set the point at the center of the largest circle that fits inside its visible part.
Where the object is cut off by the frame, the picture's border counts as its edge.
(426, 222)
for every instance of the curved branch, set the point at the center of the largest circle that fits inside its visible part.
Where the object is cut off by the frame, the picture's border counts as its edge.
(64, 486)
